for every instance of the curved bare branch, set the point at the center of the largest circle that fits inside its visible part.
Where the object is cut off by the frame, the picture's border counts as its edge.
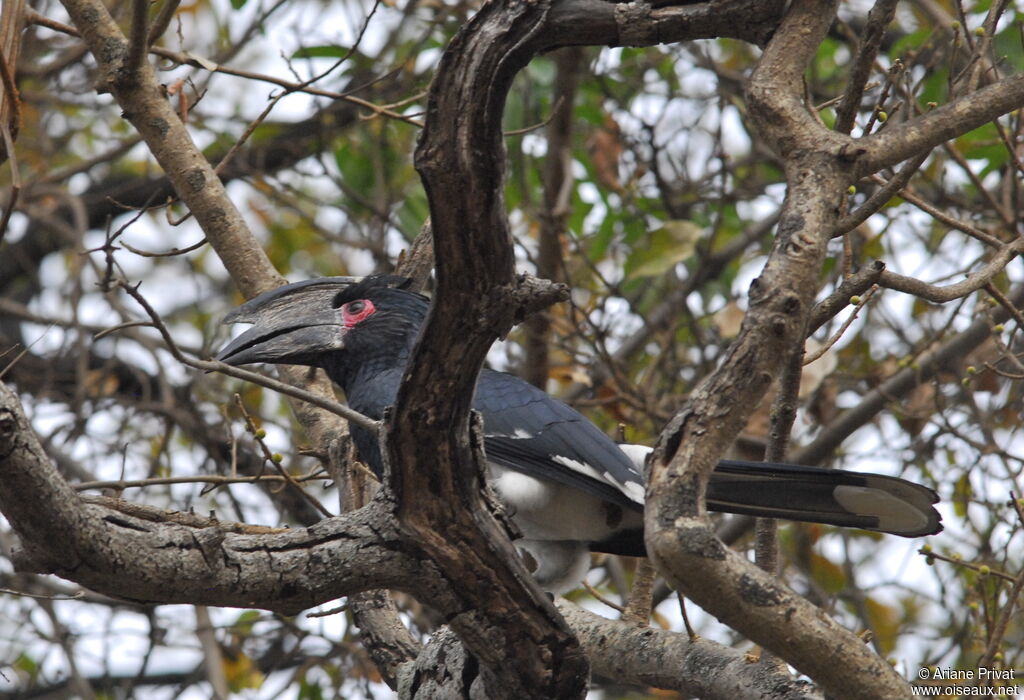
(903, 141)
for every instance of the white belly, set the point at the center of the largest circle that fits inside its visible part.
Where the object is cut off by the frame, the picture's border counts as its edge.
(547, 510)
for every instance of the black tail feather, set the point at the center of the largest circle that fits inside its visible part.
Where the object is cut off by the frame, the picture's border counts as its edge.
(831, 496)
(809, 494)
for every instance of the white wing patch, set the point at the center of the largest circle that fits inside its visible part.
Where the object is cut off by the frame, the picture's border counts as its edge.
(636, 491)
(637, 454)
(632, 489)
(519, 434)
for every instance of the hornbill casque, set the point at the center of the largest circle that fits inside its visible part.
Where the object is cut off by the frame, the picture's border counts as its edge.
(569, 488)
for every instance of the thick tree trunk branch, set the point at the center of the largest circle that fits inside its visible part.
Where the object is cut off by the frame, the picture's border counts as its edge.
(599, 23)
(150, 559)
(679, 536)
(775, 92)
(164, 562)
(524, 646)
(665, 659)
(461, 160)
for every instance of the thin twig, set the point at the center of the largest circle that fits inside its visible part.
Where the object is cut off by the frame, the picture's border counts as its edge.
(12, 201)
(881, 196)
(304, 84)
(275, 459)
(686, 618)
(641, 594)
(1006, 304)
(138, 40)
(187, 59)
(856, 284)
(25, 594)
(977, 568)
(974, 281)
(538, 125)
(216, 480)
(908, 194)
(162, 21)
(842, 329)
(170, 253)
(999, 629)
(597, 594)
(878, 21)
(262, 380)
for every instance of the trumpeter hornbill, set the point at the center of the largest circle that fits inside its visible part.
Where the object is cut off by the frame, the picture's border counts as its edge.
(568, 486)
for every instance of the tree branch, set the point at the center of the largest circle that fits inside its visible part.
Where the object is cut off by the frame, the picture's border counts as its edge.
(898, 385)
(679, 535)
(147, 561)
(460, 158)
(599, 23)
(663, 659)
(902, 141)
(878, 22)
(974, 281)
(140, 95)
(150, 556)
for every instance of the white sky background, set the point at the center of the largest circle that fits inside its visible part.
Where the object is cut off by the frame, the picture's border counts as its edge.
(314, 24)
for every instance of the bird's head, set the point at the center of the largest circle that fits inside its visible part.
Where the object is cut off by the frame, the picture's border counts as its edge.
(330, 322)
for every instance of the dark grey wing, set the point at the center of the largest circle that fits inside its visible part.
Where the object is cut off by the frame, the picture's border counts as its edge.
(531, 432)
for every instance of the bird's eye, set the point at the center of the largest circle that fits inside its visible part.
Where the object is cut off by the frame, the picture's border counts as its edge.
(355, 311)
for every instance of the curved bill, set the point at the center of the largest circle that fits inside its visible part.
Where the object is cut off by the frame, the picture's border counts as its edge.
(292, 324)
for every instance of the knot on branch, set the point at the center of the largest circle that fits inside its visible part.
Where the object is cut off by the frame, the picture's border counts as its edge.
(532, 294)
(29, 559)
(759, 592)
(8, 429)
(633, 20)
(850, 153)
(512, 304)
(691, 536)
(209, 541)
(699, 539)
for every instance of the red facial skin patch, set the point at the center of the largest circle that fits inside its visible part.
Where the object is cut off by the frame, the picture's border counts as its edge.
(355, 311)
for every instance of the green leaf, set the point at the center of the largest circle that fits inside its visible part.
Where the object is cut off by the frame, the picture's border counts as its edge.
(885, 622)
(1007, 45)
(827, 574)
(325, 51)
(961, 495)
(873, 248)
(27, 664)
(912, 41)
(310, 690)
(244, 623)
(664, 248)
(603, 237)
(413, 211)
